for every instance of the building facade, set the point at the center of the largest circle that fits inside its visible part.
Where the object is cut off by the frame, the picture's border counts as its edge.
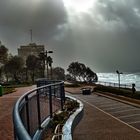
(31, 49)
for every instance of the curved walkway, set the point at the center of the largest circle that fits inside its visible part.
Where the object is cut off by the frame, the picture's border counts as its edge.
(6, 107)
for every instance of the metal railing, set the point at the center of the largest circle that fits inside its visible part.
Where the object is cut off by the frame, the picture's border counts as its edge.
(35, 107)
(114, 84)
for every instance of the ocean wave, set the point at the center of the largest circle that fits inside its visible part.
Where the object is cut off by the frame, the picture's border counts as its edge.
(127, 78)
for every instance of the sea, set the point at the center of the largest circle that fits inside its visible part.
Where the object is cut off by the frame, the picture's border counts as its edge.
(125, 78)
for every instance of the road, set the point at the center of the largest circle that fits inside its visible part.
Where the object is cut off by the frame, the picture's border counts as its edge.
(127, 114)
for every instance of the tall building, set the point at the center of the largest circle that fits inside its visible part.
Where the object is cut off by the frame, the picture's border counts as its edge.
(31, 49)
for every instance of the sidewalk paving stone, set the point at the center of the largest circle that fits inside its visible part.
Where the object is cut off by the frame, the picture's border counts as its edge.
(6, 107)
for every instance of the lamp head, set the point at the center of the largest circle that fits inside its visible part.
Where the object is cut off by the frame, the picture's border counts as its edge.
(117, 71)
(49, 51)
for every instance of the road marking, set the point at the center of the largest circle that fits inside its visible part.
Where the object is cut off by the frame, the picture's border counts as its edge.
(126, 110)
(127, 116)
(109, 115)
(108, 105)
(111, 108)
(105, 103)
(134, 122)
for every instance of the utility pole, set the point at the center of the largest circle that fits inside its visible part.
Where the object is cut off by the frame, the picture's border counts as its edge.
(47, 61)
(119, 77)
(31, 36)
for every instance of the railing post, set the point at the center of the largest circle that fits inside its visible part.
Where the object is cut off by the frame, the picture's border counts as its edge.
(27, 114)
(50, 101)
(54, 92)
(62, 95)
(38, 110)
(15, 135)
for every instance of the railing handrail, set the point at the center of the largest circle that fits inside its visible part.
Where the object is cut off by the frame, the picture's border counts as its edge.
(113, 83)
(19, 127)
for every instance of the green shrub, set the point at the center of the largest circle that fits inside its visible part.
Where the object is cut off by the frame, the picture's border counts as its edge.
(7, 90)
(61, 117)
(70, 105)
(72, 85)
(117, 91)
(15, 85)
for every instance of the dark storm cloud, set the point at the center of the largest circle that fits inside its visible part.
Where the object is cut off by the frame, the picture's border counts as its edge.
(17, 17)
(122, 48)
(18, 14)
(124, 11)
(106, 37)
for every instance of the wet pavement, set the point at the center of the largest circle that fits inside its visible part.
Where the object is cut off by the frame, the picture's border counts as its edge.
(6, 107)
(107, 119)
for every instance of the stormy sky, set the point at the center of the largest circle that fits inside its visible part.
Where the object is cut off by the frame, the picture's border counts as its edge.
(103, 34)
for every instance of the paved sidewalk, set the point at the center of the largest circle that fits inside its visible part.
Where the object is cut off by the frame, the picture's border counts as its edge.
(6, 107)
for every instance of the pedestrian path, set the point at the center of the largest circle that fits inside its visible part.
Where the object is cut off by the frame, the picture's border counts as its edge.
(97, 124)
(6, 107)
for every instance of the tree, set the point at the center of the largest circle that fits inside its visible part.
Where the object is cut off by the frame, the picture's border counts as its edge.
(91, 76)
(81, 73)
(49, 61)
(42, 63)
(13, 67)
(73, 69)
(32, 65)
(68, 77)
(3, 54)
(6, 71)
(77, 71)
(58, 73)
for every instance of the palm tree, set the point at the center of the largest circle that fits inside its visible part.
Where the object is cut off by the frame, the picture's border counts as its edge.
(42, 63)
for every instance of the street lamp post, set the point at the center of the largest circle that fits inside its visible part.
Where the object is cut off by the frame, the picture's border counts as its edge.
(119, 77)
(46, 55)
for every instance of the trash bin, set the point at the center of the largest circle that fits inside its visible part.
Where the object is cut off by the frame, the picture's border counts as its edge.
(86, 91)
(1, 90)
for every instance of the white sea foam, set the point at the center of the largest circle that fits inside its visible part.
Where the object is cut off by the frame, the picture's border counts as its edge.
(126, 78)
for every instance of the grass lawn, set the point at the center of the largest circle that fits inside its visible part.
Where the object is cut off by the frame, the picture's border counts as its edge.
(7, 90)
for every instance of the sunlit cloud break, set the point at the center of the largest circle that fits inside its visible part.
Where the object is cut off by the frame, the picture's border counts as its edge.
(78, 6)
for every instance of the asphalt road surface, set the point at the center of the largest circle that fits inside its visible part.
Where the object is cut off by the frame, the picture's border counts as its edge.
(124, 113)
